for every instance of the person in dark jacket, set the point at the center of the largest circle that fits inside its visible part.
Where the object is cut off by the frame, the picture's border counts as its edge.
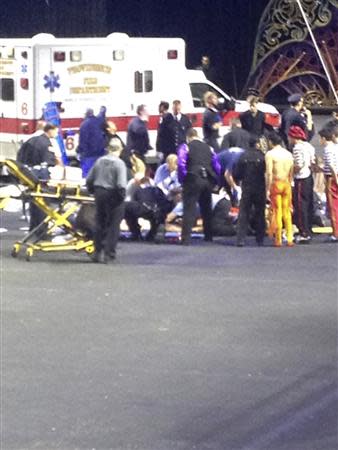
(333, 122)
(253, 120)
(181, 124)
(250, 170)
(150, 203)
(297, 114)
(137, 136)
(91, 140)
(38, 153)
(237, 137)
(208, 69)
(165, 142)
(108, 181)
(198, 171)
(212, 121)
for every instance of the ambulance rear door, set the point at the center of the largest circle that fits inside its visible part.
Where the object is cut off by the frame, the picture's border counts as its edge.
(46, 81)
(16, 92)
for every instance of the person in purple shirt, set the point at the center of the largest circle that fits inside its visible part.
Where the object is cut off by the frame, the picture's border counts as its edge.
(198, 171)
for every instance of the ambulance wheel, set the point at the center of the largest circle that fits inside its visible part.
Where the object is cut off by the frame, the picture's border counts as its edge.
(15, 250)
(29, 254)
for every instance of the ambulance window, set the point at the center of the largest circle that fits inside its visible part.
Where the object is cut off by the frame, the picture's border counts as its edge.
(143, 81)
(197, 92)
(148, 80)
(138, 82)
(7, 52)
(7, 89)
(76, 56)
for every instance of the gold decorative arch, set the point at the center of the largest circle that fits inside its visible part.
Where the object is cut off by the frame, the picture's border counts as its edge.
(285, 55)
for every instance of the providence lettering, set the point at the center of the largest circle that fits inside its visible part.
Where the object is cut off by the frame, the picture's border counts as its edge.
(89, 68)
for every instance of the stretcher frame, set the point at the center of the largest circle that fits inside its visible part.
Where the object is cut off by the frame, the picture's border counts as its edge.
(67, 198)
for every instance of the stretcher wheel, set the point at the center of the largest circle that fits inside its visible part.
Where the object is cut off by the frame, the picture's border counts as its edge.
(15, 250)
(90, 249)
(29, 254)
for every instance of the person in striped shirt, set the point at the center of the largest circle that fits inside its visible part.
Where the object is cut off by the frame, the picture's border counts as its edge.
(304, 159)
(328, 139)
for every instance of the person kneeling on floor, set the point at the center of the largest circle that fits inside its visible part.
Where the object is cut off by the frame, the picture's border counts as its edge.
(147, 202)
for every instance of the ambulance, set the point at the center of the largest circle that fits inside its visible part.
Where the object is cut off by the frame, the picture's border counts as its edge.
(117, 71)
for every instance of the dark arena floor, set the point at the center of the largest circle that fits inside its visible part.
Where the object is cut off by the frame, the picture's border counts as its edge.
(207, 347)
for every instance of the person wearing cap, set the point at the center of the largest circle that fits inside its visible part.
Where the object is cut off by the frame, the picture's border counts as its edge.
(107, 180)
(304, 159)
(297, 114)
(279, 175)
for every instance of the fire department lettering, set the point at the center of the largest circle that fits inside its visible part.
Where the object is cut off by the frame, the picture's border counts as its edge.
(89, 68)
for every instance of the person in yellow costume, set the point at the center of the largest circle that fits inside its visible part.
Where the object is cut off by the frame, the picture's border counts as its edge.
(279, 175)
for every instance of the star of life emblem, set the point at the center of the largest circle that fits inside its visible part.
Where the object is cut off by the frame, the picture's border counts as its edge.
(52, 81)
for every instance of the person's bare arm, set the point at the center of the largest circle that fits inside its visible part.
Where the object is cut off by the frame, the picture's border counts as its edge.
(268, 174)
(228, 177)
(334, 174)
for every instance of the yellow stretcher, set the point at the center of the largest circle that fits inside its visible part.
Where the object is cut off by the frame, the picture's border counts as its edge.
(59, 200)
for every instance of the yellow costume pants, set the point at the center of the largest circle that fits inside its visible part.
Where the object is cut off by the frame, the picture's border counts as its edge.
(281, 211)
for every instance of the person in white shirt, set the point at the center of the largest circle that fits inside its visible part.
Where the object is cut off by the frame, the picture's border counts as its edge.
(304, 159)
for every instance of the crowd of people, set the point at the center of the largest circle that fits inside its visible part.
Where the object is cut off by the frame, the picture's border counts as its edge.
(202, 179)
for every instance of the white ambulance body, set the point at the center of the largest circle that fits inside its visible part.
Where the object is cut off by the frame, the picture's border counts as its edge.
(118, 72)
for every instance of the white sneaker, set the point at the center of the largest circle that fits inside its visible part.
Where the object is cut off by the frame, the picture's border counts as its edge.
(302, 239)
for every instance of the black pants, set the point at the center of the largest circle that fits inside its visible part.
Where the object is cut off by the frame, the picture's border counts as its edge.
(109, 213)
(222, 223)
(252, 206)
(36, 214)
(135, 210)
(303, 205)
(196, 190)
